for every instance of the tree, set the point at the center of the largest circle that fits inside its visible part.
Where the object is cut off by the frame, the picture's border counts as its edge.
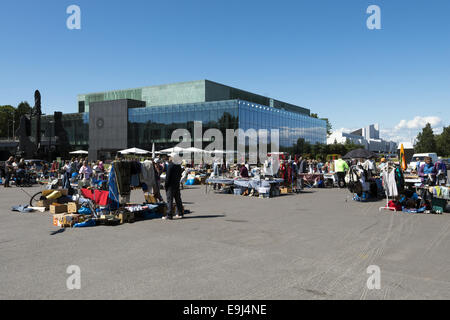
(6, 121)
(425, 140)
(22, 109)
(329, 126)
(443, 142)
(302, 147)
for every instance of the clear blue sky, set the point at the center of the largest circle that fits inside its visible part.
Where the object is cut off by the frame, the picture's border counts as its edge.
(317, 54)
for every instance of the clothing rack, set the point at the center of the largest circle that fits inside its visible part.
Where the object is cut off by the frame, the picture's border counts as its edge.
(384, 173)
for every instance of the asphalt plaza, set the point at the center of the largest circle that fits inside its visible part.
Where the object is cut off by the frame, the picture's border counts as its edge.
(314, 245)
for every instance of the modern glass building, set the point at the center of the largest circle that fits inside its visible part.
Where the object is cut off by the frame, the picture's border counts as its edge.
(155, 124)
(115, 120)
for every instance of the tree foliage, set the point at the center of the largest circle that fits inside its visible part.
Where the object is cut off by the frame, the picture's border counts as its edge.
(6, 118)
(10, 118)
(427, 141)
(320, 150)
(443, 142)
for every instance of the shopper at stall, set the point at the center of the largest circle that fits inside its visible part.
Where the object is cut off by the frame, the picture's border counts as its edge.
(418, 164)
(85, 172)
(21, 171)
(243, 172)
(172, 187)
(341, 169)
(441, 171)
(427, 172)
(67, 172)
(9, 170)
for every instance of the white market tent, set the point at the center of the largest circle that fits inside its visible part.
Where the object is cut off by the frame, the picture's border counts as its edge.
(134, 151)
(194, 150)
(173, 150)
(79, 152)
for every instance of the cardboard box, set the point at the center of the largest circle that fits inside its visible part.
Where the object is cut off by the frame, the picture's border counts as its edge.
(44, 203)
(64, 192)
(125, 217)
(73, 207)
(285, 190)
(57, 208)
(57, 219)
(68, 220)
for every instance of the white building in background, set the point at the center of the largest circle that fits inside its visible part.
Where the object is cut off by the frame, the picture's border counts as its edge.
(368, 137)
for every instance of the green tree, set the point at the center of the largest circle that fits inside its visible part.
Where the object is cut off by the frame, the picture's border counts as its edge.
(6, 121)
(302, 147)
(425, 141)
(22, 109)
(443, 142)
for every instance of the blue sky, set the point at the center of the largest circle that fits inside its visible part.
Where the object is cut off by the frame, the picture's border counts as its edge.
(318, 54)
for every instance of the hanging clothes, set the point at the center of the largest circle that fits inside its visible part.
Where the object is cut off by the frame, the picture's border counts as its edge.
(148, 176)
(112, 187)
(390, 184)
(123, 176)
(135, 170)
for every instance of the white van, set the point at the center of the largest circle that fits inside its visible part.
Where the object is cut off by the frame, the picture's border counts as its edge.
(422, 156)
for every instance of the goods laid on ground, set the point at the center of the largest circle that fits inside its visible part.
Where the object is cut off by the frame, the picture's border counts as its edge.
(402, 194)
(263, 188)
(107, 204)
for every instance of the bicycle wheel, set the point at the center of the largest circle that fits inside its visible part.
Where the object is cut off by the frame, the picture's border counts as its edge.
(35, 198)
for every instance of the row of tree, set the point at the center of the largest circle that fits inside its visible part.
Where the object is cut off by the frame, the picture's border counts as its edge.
(427, 141)
(320, 150)
(10, 118)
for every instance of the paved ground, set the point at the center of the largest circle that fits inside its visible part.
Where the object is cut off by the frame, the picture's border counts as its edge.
(315, 245)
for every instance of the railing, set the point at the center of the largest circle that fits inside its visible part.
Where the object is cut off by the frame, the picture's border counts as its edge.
(8, 140)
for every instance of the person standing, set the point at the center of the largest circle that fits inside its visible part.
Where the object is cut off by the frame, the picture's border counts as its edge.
(441, 172)
(66, 175)
(341, 169)
(427, 172)
(9, 169)
(172, 186)
(85, 172)
(243, 172)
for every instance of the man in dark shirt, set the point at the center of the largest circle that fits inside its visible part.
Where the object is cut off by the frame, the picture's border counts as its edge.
(9, 169)
(172, 186)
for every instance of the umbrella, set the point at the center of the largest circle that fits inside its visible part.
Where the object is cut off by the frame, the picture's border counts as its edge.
(194, 150)
(173, 150)
(134, 151)
(359, 153)
(79, 152)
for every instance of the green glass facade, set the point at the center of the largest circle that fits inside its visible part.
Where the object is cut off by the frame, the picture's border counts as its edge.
(156, 124)
(75, 124)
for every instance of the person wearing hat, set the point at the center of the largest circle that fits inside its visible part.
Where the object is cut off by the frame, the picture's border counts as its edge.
(172, 187)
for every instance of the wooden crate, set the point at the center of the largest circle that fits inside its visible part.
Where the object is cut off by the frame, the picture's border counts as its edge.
(73, 207)
(57, 208)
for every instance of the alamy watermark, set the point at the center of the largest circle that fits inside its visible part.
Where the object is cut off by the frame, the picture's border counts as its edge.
(374, 21)
(374, 281)
(74, 20)
(257, 142)
(73, 282)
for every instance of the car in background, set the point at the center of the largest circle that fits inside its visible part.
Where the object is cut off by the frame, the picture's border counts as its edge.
(421, 157)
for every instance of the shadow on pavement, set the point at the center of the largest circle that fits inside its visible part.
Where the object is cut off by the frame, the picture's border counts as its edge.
(57, 232)
(205, 217)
